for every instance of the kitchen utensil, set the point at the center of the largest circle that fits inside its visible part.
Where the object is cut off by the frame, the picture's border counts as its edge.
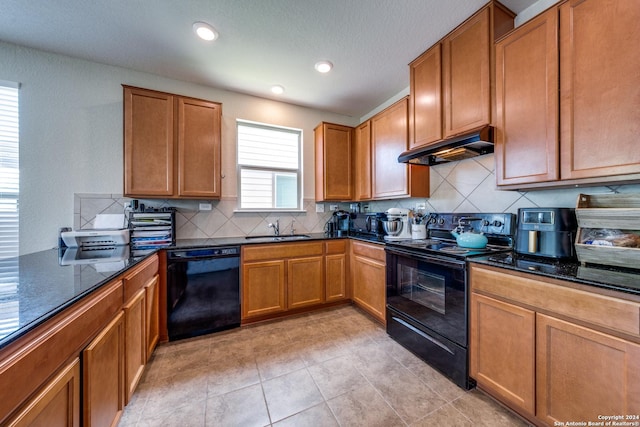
(392, 226)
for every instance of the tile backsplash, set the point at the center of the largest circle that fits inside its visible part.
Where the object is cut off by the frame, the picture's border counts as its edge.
(464, 186)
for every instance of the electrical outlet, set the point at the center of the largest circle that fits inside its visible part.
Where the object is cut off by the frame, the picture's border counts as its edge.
(421, 206)
(204, 206)
(319, 207)
(333, 207)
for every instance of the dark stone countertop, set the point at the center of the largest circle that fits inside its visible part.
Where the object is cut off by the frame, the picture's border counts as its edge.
(45, 286)
(613, 278)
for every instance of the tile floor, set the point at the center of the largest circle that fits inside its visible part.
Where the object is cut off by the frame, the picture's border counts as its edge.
(329, 368)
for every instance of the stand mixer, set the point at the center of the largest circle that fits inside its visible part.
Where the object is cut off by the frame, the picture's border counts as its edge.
(397, 224)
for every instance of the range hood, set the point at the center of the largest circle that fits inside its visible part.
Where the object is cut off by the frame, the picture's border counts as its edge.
(464, 146)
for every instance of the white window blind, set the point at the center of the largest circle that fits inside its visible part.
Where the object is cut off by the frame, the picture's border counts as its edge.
(9, 191)
(269, 172)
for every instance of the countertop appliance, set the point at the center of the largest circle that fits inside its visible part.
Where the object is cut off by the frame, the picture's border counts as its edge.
(369, 223)
(203, 290)
(546, 232)
(427, 289)
(95, 237)
(398, 219)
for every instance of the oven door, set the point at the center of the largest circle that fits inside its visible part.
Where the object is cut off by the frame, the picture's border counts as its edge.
(430, 291)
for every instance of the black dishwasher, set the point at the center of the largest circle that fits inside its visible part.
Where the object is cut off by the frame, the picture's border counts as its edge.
(203, 291)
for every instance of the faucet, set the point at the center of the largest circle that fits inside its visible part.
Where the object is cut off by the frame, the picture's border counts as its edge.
(293, 230)
(276, 227)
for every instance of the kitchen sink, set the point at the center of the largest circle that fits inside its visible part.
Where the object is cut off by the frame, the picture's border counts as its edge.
(272, 238)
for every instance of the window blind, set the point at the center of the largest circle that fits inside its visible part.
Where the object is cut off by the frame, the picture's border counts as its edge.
(9, 192)
(269, 172)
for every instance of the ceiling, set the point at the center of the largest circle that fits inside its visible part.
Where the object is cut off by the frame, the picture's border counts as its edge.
(261, 43)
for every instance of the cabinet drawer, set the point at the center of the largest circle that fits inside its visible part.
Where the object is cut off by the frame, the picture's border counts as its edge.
(335, 246)
(281, 251)
(139, 276)
(552, 297)
(369, 250)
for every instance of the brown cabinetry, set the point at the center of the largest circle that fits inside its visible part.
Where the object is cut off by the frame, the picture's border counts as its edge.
(425, 101)
(171, 145)
(597, 110)
(362, 161)
(336, 270)
(103, 376)
(527, 148)
(152, 314)
(531, 334)
(333, 147)
(56, 404)
(389, 138)
(135, 341)
(368, 276)
(281, 277)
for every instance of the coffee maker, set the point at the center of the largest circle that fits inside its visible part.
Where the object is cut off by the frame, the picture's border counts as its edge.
(546, 232)
(339, 225)
(397, 224)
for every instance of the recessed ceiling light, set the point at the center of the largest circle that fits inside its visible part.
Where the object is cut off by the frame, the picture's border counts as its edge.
(205, 31)
(324, 66)
(277, 89)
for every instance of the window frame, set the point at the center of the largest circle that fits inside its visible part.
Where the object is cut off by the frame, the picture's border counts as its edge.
(275, 170)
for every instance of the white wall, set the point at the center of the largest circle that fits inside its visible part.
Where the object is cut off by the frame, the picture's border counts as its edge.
(71, 133)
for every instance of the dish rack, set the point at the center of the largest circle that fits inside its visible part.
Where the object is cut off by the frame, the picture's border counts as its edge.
(152, 230)
(608, 229)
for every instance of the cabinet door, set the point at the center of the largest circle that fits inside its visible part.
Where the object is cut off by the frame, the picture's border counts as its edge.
(199, 131)
(263, 288)
(336, 277)
(368, 278)
(527, 144)
(389, 140)
(57, 403)
(152, 315)
(600, 94)
(305, 282)
(362, 161)
(502, 355)
(103, 376)
(148, 143)
(135, 341)
(582, 374)
(425, 102)
(466, 75)
(333, 162)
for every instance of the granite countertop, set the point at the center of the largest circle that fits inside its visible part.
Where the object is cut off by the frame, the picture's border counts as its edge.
(48, 282)
(613, 278)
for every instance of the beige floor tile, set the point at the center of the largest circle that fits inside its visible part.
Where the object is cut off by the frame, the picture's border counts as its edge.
(435, 380)
(190, 414)
(291, 393)
(483, 411)
(243, 408)
(446, 416)
(363, 407)
(275, 362)
(230, 374)
(317, 416)
(337, 376)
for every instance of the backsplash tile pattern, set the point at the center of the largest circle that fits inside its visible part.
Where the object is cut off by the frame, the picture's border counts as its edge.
(463, 186)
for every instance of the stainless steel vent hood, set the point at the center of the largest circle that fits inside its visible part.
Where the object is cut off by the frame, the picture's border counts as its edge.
(474, 143)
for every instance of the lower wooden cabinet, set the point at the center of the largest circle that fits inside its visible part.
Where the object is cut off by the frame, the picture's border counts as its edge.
(583, 374)
(502, 359)
(56, 404)
(305, 282)
(263, 288)
(554, 351)
(152, 314)
(335, 273)
(368, 278)
(135, 345)
(103, 376)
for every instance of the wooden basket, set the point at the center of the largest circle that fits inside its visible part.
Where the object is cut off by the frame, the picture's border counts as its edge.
(608, 211)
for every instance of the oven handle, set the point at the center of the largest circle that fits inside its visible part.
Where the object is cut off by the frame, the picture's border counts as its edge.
(422, 334)
(457, 265)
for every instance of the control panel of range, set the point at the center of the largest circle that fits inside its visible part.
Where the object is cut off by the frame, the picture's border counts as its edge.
(490, 223)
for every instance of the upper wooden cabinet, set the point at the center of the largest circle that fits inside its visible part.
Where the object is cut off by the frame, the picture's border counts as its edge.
(593, 44)
(451, 83)
(362, 162)
(171, 145)
(389, 138)
(425, 101)
(599, 90)
(334, 179)
(527, 148)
